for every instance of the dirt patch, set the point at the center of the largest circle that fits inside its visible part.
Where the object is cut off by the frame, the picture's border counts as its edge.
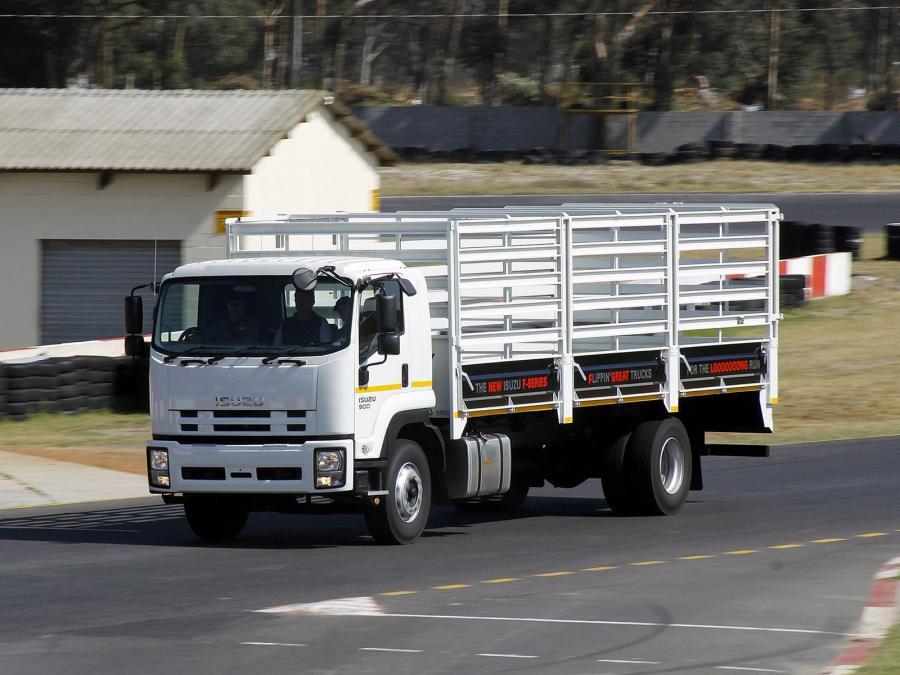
(127, 459)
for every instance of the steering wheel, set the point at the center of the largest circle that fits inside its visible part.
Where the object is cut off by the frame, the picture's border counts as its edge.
(189, 334)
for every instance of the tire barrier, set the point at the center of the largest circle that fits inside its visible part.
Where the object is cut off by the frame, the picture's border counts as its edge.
(73, 384)
(688, 153)
(792, 290)
(848, 239)
(892, 236)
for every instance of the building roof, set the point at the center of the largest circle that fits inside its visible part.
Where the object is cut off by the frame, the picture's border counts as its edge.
(159, 131)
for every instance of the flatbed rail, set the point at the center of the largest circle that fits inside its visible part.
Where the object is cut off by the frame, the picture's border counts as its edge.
(564, 307)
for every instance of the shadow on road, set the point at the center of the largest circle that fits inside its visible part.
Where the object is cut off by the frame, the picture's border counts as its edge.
(164, 525)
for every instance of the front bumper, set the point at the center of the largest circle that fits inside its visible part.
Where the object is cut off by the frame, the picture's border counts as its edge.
(249, 469)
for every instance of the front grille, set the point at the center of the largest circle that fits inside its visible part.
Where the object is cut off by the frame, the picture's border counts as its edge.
(239, 422)
(279, 473)
(203, 473)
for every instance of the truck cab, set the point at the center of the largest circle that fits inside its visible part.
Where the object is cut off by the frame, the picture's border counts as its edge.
(276, 381)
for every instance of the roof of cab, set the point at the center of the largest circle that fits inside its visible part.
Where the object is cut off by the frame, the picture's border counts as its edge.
(352, 268)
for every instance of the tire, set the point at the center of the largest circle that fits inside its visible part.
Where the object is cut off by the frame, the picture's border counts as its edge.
(614, 478)
(402, 514)
(216, 518)
(659, 453)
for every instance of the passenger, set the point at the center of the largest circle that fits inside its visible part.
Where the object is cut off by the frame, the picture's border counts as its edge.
(344, 309)
(305, 328)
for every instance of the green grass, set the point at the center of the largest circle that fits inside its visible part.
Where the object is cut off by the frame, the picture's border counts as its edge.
(886, 659)
(99, 429)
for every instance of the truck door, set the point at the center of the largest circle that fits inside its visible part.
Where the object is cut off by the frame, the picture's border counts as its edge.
(388, 375)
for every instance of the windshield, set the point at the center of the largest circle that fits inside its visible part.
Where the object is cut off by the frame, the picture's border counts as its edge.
(252, 316)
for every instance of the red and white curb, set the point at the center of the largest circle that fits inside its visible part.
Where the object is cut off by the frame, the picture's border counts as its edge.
(878, 616)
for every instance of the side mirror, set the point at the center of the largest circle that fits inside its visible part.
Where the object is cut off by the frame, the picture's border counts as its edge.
(304, 279)
(135, 346)
(134, 315)
(388, 344)
(386, 310)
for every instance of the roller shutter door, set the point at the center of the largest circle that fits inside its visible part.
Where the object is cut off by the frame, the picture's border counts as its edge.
(83, 283)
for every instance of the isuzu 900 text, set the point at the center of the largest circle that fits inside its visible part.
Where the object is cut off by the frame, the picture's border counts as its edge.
(385, 362)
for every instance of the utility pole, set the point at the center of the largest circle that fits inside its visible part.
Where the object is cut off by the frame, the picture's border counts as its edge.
(774, 49)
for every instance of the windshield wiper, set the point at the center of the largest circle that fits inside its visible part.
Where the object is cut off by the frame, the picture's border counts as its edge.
(286, 352)
(187, 352)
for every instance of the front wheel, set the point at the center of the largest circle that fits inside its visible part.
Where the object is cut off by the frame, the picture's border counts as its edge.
(661, 471)
(403, 512)
(216, 518)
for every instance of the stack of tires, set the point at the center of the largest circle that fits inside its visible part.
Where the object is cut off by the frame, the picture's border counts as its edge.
(3, 389)
(74, 384)
(791, 292)
(848, 238)
(892, 235)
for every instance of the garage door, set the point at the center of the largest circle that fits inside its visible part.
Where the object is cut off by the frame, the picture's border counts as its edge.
(83, 283)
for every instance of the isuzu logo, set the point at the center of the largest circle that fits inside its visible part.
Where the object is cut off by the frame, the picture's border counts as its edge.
(239, 401)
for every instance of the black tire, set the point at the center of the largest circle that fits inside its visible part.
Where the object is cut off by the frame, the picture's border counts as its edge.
(216, 517)
(403, 512)
(659, 454)
(614, 478)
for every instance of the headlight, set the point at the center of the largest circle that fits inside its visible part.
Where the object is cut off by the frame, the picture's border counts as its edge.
(329, 461)
(158, 467)
(330, 468)
(159, 459)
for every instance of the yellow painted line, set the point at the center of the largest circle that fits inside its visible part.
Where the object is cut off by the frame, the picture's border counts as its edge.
(781, 547)
(827, 541)
(729, 390)
(421, 383)
(696, 557)
(602, 568)
(390, 593)
(377, 387)
(742, 551)
(633, 399)
(868, 535)
(451, 587)
(647, 562)
(502, 580)
(513, 411)
(553, 574)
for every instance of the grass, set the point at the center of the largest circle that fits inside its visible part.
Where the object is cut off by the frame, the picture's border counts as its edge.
(839, 360)
(886, 659)
(711, 176)
(102, 438)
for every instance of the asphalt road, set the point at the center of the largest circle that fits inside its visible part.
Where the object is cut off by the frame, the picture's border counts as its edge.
(764, 571)
(871, 211)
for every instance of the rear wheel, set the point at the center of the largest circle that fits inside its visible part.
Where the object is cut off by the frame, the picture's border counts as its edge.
(215, 517)
(403, 512)
(614, 478)
(660, 474)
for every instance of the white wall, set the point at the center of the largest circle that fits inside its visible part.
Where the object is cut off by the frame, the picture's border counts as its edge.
(318, 168)
(40, 206)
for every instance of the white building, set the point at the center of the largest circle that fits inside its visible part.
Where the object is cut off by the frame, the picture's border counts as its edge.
(102, 190)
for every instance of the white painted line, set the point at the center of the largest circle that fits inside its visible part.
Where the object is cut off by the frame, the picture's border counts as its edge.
(634, 661)
(386, 649)
(595, 622)
(338, 607)
(509, 656)
(752, 670)
(274, 644)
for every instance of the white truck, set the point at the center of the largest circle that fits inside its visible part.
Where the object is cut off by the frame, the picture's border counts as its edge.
(382, 362)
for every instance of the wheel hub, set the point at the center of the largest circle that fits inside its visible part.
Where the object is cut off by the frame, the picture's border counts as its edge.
(408, 492)
(671, 466)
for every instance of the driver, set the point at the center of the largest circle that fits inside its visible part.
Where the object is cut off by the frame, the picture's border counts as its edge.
(236, 326)
(305, 328)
